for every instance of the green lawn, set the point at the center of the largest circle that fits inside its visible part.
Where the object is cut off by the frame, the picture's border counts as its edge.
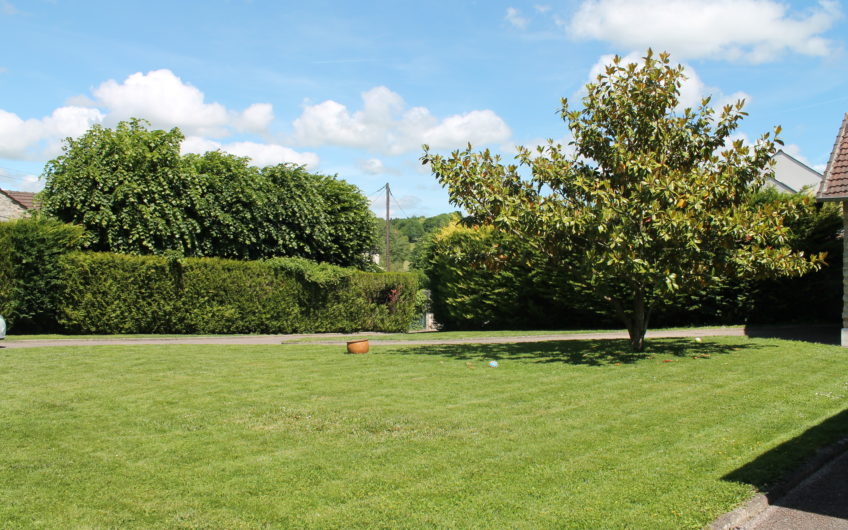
(57, 336)
(564, 434)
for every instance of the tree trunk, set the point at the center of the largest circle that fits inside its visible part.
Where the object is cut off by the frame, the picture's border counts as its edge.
(635, 320)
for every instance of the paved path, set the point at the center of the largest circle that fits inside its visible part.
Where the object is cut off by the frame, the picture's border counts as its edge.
(820, 502)
(336, 339)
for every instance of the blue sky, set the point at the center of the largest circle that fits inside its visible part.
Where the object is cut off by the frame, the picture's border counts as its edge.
(355, 88)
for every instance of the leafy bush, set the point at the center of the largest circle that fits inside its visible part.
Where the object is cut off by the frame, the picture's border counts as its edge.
(30, 272)
(110, 293)
(480, 278)
(135, 193)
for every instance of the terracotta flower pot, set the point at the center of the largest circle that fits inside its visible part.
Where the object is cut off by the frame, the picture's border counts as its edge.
(357, 346)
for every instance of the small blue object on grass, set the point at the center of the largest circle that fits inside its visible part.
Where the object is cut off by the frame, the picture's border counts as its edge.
(493, 364)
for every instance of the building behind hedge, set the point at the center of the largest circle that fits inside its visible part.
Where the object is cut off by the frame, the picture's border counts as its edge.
(834, 187)
(15, 204)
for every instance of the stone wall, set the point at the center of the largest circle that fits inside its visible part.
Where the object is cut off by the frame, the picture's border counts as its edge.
(9, 209)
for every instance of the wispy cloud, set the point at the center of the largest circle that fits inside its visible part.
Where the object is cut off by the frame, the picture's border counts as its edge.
(7, 8)
(345, 61)
(513, 16)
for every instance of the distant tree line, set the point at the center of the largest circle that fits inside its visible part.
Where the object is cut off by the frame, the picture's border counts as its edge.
(409, 238)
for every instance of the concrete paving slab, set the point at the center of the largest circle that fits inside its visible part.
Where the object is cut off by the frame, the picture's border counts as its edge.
(820, 502)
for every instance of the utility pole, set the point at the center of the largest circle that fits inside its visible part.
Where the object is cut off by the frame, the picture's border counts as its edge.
(388, 219)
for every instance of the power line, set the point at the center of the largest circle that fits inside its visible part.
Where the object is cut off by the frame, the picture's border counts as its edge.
(398, 204)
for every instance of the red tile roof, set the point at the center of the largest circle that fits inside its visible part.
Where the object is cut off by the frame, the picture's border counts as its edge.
(24, 198)
(835, 183)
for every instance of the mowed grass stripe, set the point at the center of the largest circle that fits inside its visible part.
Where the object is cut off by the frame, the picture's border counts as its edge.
(558, 435)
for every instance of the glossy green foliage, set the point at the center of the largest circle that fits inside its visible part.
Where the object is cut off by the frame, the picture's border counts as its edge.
(649, 200)
(29, 272)
(112, 293)
(483, 278)
(814, 297)
(134, 193)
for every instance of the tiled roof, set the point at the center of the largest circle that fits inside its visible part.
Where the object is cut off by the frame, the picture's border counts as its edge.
(835, 183)
(24, 198)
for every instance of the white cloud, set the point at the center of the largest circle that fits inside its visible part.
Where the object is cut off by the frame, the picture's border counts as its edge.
(199, 145)
(372, 166)
(38, 138)
(166, 101)
(692, 89)
(256, 118)
(161, 98)
(261, 154)
(18, 181)
(542, 8)
(399, 207)
(386, 125)
(751, 30)
(30, 183)
(513, 16)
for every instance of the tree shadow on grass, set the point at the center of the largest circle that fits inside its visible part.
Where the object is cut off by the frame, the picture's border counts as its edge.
(822, 333)
(586, 352)
(782, 468)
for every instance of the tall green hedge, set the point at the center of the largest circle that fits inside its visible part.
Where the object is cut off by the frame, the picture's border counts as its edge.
(113, 293)
(30, 272)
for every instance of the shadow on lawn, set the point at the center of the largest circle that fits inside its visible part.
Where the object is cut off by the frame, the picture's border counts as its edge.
(823, 333)
(778, 470)
(587, 352)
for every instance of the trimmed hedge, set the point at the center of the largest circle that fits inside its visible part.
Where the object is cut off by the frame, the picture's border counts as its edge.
(115, 293)
(29, 270)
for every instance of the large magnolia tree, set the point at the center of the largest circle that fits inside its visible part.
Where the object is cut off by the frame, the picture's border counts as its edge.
(647, 200)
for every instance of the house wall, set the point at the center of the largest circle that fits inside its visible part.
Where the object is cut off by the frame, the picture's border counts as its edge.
(9, 209)
(795, 175)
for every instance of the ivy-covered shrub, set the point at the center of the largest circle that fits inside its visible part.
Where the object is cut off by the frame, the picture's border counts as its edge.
(112, 293)
(30, 272)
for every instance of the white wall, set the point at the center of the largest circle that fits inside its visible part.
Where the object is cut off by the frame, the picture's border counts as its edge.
(794, 174)
(9, 209)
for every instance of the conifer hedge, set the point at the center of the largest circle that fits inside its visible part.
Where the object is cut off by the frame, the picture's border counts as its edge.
(48, 286)
(113, 293)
